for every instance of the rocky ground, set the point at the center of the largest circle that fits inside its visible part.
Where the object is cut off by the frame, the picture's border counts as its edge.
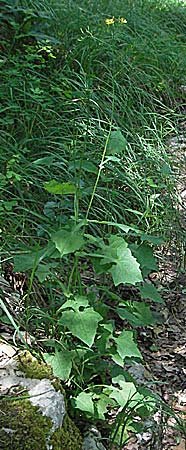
(166, 364)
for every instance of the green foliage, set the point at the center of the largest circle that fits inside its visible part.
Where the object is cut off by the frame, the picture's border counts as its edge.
(124, 267)
(148, 290)
(90, 94)
(60, 188)
(126, 346)
(117, 143)
(22, 24)
(82, 323)
(67, 241)
(60, 362)
(138, 314)
(84, 335)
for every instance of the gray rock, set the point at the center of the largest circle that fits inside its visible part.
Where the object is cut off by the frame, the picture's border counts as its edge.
(42, 393)
(92, 440)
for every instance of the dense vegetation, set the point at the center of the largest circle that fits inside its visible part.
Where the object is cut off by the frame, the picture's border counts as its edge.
(91, 93)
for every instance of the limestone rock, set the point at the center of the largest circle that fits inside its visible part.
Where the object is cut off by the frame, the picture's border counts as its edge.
(92, 440)
(33, 411)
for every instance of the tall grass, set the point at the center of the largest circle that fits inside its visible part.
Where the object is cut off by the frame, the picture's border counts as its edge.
(125, 76)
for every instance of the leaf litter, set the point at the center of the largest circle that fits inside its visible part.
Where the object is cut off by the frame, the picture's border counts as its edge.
(164, 346)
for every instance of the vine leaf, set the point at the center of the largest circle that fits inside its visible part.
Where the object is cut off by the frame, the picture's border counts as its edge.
(124, 394)
(145, 256)
(117, 143)
(138, 314)
(148, 290)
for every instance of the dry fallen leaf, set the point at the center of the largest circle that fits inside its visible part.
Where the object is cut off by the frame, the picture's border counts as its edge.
(7, 350)
(181, 445)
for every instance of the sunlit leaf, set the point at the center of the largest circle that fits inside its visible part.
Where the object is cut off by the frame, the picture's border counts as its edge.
(124, 394)
(61, 363)
(117, 358)
(82, 324)
(76, 303)
(125, 268)
(46, 161)
(84, 402)
(125, 228)
(60, 188)
(67, 241)
(126, 346)
(101, 406)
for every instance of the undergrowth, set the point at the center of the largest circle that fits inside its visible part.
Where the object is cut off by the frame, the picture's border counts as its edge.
(91, 94)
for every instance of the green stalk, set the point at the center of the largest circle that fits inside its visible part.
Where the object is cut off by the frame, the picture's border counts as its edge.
(3, 306)
(100, 169)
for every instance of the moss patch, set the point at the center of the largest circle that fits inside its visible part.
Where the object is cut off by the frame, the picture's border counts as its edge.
(29, 428)
(23, 427)
(33, 368)
(68, 437)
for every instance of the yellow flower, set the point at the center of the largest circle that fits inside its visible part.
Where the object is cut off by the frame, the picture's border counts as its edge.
(122, 20)
(109, 21)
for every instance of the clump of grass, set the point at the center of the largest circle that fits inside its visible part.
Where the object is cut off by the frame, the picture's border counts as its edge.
(62, 108)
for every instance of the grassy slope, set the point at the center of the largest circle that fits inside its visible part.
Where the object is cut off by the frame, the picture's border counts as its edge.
(125, 76)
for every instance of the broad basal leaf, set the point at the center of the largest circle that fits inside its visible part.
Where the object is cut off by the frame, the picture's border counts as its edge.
(84, 402)
(156, 240)
(26, 261)
(67, 241)
(82, 324)
(148, 290)
(79, 301)
(124, 394)
(101, 405)
(44, 270)
(144, 254)
(126, 346)
(85, 165)
(60, 362)
(125, 268)
(60, 188)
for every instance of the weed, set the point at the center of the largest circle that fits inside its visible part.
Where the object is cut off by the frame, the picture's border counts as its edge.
(90, 94)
